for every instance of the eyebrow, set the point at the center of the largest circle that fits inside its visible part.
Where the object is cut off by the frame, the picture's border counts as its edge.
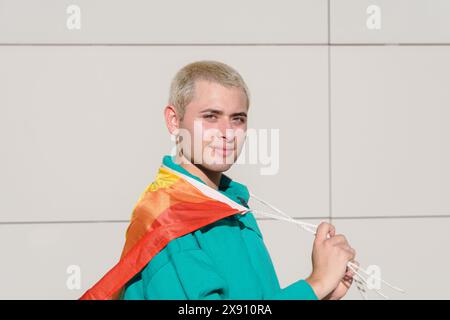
(220, 112)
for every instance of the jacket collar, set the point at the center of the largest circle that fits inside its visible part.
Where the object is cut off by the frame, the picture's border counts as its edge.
(230, 188)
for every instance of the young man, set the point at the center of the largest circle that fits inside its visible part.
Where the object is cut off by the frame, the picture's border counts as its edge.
(188, 238)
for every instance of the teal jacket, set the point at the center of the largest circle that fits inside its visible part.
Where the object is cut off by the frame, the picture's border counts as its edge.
(224, 260)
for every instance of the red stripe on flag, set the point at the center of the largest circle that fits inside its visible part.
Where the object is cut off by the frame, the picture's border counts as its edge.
(174, 222)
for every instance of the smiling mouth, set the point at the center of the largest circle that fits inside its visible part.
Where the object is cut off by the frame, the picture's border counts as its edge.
(224, 151)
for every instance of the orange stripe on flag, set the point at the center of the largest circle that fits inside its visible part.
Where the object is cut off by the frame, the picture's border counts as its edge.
(176, 221)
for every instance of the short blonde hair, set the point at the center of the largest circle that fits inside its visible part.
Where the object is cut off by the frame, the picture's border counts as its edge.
(183, 84)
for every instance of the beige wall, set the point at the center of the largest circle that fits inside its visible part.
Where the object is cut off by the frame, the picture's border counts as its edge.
(363, 118)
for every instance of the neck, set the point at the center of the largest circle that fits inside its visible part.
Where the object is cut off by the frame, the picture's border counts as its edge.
(211, 178)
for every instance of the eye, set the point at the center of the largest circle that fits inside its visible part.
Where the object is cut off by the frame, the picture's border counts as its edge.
(210, 116)
(239, 119)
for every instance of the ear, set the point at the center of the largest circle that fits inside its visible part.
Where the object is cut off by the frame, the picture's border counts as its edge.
(172, 119)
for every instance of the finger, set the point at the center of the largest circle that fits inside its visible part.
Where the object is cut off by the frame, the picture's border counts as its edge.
(349, 273)
(349, 251)
(332, 232)
(346, 247)
(347, 279)
(338, 239)
(323, 230)
(352, 253)
(347, 282)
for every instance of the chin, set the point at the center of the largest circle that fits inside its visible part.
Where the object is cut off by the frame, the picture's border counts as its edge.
(218, 163)
(215, 160)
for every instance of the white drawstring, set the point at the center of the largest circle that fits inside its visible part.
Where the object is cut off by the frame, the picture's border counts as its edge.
(364, 280)
(306, 226)
(312, 229)
(377, 278)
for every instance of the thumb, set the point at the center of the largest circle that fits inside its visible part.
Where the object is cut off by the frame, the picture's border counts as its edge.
(323, 230)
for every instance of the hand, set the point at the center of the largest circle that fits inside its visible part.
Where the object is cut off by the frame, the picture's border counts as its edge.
(343, 286)
(330, 256)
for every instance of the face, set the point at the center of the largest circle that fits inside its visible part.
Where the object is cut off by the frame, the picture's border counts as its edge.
(214, 125)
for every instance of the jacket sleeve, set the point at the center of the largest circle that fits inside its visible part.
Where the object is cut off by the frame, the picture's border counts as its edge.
(299, 290)
(191, 275)
(183, 272)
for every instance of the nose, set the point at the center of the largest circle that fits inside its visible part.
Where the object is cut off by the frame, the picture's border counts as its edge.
(226, 130)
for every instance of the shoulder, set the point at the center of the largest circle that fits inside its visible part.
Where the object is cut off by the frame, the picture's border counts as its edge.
(189, 246)
(166, 260)
(176, 246)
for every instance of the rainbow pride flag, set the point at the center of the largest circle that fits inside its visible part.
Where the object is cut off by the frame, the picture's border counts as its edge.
(171, 206)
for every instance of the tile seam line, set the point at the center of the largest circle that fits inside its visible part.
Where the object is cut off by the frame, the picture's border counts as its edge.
(224, 44)
(261, 219)
(330, 163)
